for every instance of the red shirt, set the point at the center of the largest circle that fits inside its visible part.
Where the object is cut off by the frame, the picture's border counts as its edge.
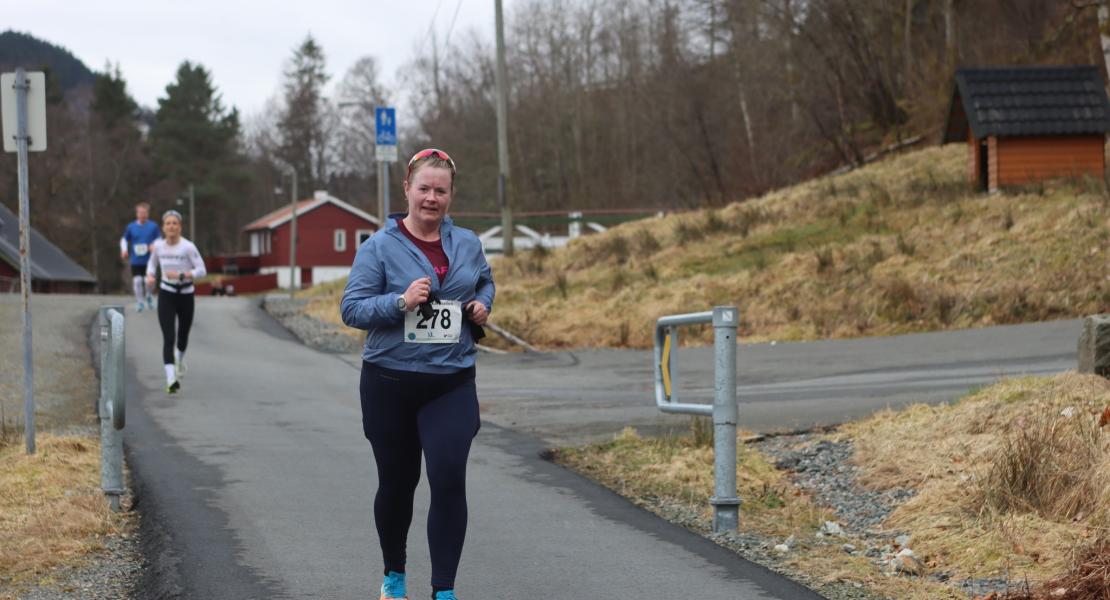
(433, 250)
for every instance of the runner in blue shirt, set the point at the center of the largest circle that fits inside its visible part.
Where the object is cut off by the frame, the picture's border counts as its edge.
(136, 243)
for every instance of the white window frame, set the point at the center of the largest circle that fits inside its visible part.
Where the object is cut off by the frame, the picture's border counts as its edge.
(339, 239)
(359, 233)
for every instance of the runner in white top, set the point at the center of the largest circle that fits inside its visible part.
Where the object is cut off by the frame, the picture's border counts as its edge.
(181, 265)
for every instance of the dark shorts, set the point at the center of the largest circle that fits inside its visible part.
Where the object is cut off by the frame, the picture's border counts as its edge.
(138, 270)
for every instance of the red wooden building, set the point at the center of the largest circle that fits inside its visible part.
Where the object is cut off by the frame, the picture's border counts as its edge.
(328, 233)
(1025, 124)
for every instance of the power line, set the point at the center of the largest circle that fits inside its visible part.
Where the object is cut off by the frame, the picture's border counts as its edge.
(447, 41)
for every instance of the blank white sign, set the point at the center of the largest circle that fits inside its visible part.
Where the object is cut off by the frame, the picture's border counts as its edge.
(36, 111)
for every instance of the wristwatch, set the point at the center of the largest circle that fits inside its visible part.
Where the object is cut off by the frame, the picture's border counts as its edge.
(401, 304)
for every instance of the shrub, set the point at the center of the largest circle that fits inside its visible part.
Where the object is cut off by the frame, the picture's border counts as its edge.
(904, 246)
(646, 243)
(900, 303)
(685, 232)
(612, 246)
(824, 259)
(1048, 464)
(713, 222)
(561, 284)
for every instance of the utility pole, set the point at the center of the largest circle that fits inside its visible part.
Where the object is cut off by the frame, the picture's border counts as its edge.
(503, 136)
(192, 215)
(293, 235)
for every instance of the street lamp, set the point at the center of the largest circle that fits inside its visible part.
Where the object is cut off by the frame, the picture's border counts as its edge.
(192, 213)
(293, 233)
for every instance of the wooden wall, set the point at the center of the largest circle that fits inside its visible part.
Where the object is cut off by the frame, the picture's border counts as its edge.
(1026, 159)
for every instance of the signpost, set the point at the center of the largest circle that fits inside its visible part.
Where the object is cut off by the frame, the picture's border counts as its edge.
(385, 150)
(23, 101)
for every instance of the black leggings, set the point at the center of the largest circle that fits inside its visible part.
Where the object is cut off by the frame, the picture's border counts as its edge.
(406, 413)
(171, 305)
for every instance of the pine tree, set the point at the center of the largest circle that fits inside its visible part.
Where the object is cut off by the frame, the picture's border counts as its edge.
(195, 140)
(301, 126)
(111, 102)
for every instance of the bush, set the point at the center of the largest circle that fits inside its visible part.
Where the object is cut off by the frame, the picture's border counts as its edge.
(824, 259)
(1049, 464)
(646, 243)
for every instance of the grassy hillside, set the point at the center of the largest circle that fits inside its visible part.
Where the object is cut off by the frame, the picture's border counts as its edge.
(895, 247)
(898, 246)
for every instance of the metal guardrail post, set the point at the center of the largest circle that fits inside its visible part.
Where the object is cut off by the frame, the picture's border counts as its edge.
(112, 405)
(725, 320)
(726, 505)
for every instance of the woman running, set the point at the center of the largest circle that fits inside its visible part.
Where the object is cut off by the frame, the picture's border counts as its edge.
(411, 287)
(181, 265)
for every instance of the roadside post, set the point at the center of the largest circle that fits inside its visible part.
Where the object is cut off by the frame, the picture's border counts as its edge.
(725, 320)
(385, 151)
(23, 100)
(113, 403)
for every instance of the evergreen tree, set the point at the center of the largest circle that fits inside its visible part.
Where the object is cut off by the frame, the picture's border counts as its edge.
(302, 122)
(111, 103)
(195, 140)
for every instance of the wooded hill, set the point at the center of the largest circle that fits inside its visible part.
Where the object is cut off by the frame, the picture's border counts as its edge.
(625, 104)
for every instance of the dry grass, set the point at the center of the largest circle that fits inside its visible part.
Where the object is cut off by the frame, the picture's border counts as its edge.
(52, 512)
(1012, 480)
(680, 469)
(895, 247)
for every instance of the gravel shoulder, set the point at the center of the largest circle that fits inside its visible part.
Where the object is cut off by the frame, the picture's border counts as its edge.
(66, 387)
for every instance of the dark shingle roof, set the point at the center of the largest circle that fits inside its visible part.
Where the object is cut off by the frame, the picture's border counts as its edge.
(1023, 101)
(48, 262)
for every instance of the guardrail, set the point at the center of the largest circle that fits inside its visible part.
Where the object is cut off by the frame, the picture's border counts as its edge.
(113, 403)
(725, 319)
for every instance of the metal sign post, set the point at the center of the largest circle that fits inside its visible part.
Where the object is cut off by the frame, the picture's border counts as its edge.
(24, 123)
(385, 150)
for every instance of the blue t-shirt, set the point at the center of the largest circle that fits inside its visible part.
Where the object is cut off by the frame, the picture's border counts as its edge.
(139, 239)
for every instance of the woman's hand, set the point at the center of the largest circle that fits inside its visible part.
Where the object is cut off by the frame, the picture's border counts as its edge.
(418, 292)
(150, 280)
(478, 312)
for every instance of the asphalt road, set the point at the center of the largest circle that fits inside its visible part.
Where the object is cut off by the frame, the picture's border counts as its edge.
(255, 482)
(575, 397)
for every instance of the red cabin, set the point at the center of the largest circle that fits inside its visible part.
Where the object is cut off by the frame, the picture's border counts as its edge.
(328, 232)
(1027, 124)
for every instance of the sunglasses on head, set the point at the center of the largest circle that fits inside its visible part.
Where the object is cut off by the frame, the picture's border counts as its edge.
(430, 152)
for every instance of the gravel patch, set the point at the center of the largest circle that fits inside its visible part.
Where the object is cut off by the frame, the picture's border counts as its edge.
(108, 576)
(325, 337)
(823, 469)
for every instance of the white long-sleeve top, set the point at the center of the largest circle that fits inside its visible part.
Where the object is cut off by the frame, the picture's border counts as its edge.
(182, 257)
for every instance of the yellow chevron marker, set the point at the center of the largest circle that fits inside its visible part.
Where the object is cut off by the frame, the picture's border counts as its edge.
(665, 364)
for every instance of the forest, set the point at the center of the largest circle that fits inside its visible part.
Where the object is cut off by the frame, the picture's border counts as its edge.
(646, 104)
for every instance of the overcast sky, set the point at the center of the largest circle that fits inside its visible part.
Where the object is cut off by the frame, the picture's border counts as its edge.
(244, 43)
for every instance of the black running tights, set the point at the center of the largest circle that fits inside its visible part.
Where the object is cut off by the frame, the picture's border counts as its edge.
(173, 306)
(405, 414)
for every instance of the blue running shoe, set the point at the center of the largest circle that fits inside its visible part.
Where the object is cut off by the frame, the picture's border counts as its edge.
(139, 306)
(394, 586)
(446, 595)
(149, 302)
